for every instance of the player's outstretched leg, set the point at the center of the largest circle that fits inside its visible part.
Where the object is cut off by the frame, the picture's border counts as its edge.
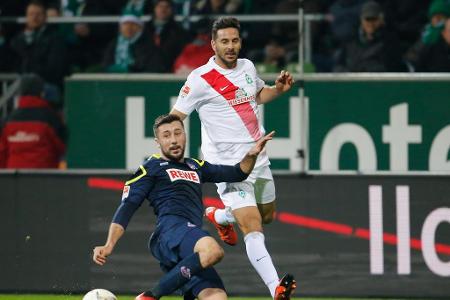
(226, 230)
(285, 288)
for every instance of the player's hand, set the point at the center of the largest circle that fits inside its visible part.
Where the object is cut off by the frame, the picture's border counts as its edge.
(100, 254)
(261, 143)
(284, 81)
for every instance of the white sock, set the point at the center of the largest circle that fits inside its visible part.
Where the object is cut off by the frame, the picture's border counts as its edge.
(224, 216)
(261, 260)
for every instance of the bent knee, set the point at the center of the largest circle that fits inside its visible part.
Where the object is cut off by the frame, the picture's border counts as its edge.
(218, 254)
(214, 255)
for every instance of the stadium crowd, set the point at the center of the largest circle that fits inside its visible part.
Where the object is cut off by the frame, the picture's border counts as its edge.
(355, 36)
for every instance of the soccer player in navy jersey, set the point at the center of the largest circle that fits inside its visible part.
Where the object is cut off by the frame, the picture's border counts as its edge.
(172, 185)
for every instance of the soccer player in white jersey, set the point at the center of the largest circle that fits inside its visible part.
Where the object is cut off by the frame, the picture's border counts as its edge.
(226, 92)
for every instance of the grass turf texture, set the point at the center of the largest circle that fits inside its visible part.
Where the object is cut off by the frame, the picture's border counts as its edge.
(78, 297)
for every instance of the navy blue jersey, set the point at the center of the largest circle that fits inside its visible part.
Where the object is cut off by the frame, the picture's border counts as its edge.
(172, 188)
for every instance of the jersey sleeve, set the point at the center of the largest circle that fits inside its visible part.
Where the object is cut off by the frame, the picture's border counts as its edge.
(135, 191)
(222, 173)
(188, 98)
(258, 81)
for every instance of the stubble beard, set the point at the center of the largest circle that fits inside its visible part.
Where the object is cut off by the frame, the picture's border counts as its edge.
(172, 157)
(229, 64)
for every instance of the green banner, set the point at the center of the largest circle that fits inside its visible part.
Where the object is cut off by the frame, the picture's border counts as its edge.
(111, 120)
(353, 122)
(373, 125)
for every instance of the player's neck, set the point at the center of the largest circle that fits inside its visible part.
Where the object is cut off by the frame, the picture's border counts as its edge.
(181, 160)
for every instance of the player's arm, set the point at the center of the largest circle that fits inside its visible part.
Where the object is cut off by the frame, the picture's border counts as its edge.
(178, 113)
(238, 172)
(135, 192)
(189, 95)
(283, 83)
(101, 252)
(249, 160)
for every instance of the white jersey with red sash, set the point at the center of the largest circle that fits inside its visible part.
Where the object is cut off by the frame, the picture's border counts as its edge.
(225, 100)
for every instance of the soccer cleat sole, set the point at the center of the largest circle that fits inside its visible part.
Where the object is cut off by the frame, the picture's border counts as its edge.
(285, 288)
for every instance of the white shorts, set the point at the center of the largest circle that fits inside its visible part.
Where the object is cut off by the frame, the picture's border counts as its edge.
(259, 188)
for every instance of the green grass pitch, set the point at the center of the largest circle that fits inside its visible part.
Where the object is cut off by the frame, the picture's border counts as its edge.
(78, 297)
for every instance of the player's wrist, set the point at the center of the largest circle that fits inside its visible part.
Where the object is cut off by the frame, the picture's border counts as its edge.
(278, 89)
(109, 246)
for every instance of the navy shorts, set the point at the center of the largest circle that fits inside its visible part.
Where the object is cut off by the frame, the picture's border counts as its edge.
(173, 240)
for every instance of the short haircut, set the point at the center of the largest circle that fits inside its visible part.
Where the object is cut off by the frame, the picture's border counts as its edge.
(31, 85)
(37, 3)
(224, 22)
(165, 119)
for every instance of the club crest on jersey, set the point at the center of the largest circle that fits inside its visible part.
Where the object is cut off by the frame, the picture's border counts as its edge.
(248, 79)
(240, 93)
(185, 91)
(191, 165)
(185, 272)
(126, 191)
(176, 174)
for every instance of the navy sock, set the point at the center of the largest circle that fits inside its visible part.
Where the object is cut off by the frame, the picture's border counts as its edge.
(177, 277)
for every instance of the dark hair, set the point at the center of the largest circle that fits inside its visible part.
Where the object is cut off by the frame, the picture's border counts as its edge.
(224, 22)
(156, 2)
(165, 119)
(37, 3)
(31, 85)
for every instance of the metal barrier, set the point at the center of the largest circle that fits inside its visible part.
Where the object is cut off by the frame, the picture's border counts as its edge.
(9, 87)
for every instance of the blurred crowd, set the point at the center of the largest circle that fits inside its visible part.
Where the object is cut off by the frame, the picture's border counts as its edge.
(353, 36)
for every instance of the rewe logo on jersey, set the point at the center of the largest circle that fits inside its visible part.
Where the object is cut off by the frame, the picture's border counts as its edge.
(175, 174)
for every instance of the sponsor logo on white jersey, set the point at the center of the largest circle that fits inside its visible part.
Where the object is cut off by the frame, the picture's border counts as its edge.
(238, 101)
(241, 96)
(175, 174)
(184, 91)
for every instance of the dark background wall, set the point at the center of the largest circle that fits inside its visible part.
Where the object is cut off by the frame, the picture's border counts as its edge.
(51, 222)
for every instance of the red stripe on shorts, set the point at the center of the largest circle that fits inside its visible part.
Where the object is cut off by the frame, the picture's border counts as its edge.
(228, 90)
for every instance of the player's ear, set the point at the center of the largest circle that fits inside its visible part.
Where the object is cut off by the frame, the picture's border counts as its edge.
(213, 45)
(157, 142)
